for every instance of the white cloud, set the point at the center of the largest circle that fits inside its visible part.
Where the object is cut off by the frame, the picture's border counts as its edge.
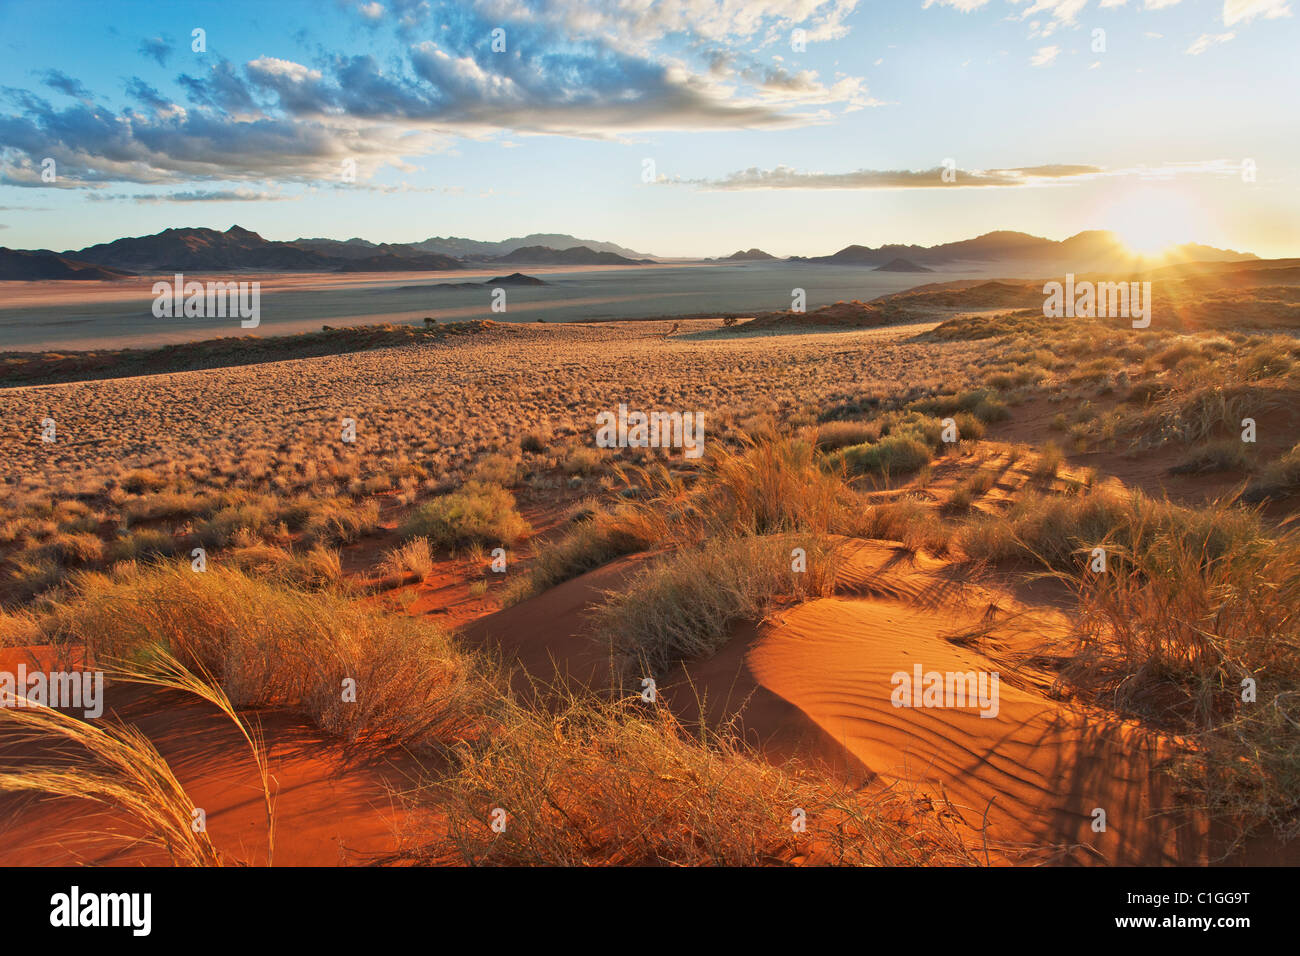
(965, 6)
(1246, 10)
(1045, 56)
(1207, 40)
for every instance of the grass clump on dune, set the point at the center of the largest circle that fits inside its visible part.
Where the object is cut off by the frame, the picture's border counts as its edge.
(1060, 531)
(1278, 480)
(892, 455)
(266, 643)
(684, 604)
(623, 783)
(592, 542)
(476, 514)
(771, 487)
(1201, 633)
(835, 435)
(981, 403)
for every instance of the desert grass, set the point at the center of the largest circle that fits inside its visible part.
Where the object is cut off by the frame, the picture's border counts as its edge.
(413, 558)
(623, 783)
(1205, 638)
(772, 487)
(207, 467)
(893, 455)
(1059, 531)
(1222, 455)
(476, 514)
(1279, 479)
(266, 643)
(161, 669)
(110, 764)
(684, 604)
(591, 542)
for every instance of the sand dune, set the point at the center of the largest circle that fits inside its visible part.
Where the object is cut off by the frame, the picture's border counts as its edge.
(814, 682)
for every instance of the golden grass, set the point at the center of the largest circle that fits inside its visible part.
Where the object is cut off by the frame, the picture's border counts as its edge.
(684, 604)
(112, 765)
(476, 514)
(161, 669)
(266, 643)
(623, 783)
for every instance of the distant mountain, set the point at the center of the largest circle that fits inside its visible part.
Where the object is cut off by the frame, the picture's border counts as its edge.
(209, 250)
(477, 249)
(1091, 250)
(747, 255)
(576, 256)
(400, 263)
(354, 248)
(43, 264)
(902, 265)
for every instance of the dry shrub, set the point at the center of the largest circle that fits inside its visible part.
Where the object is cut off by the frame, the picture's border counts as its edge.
(268, 644)
(622, 783)
(414, 557)
(592, 542)
(684, 604)
(476, 514)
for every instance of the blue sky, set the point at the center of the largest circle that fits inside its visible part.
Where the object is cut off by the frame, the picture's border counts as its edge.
(1050, 127)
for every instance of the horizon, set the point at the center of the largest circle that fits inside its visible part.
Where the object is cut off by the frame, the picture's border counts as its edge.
(624, 125)
(596, 239)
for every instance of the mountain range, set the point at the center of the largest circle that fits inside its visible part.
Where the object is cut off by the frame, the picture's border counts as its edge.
(1093, 250)
(238, 249)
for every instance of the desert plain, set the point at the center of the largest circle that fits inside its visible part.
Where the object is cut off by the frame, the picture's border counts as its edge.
(377, 595)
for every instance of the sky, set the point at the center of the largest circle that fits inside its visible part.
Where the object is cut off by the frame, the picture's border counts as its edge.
(691, 128)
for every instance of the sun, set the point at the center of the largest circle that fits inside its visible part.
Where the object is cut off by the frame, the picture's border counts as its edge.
(1151, 220)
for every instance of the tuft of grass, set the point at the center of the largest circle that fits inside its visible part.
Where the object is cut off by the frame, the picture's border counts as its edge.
(584, 460)
(892, 455)
(1059, 532)
(623, 783)
(771, 486)
(340, 521)
(110, 764)
(683, 605)
(534, 441)
(1178, 628)
(981, 403)
(1049, 462)
(592, 542)
(1224, 455)
(476, 514)
(415, 557)
(833, 436)
(267, 643)
(1279, 479)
